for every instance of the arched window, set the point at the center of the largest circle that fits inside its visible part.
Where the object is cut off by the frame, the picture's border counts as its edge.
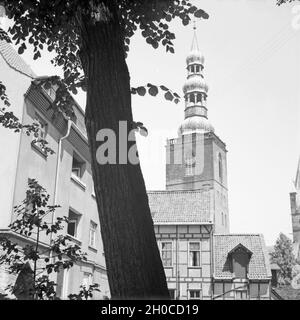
(222, 219)
(197, 69)
(192, 98)
(220, 168)
(198, 97)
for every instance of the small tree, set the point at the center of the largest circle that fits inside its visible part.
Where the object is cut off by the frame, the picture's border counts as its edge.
(283, 256)
(32, 262)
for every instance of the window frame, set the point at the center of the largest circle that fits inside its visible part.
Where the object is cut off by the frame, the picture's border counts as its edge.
(172, 293)
(41, 134)
(90, 279)
(168, 250)
(220, 167)
(195, 290)
(241, 291)
(81, 168)
(77, 223)
(189, 252)
(92, 229)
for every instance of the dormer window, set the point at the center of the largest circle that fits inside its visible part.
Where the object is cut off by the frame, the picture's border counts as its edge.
(240, 257)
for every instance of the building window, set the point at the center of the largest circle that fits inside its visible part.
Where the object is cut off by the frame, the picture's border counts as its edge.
(78, 166)
(166, 253)
(241, 295)
(51, 92)
(87, 279)
(189, 166)
(194, 294)
(172, 293)
(73, 222)
(41, 132)
(92, 234)
(194, 254)
(222, 218)
(220, 168)
(197, 69)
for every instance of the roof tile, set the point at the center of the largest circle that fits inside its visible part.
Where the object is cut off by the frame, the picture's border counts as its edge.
(259, 267)
(181, 207)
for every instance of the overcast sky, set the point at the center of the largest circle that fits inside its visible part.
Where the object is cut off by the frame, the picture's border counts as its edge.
(252, 67)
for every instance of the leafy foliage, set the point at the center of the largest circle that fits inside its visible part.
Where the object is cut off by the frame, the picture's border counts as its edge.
(85, 292)
(283, 256)
(153, 90)
(59, 27)
(31, 221)
(280, 2)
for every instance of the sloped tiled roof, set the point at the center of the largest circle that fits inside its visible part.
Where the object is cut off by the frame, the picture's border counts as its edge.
(288, 293)
(259, 266)
(14, 60)
(180, 207)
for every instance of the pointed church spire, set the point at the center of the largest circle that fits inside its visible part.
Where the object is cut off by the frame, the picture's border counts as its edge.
(195, 46)
(297, 180)
(195, 92)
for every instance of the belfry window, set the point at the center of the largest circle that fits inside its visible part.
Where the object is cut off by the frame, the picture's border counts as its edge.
(198, 97)
(220, 168)
(192, 98)
(197, 69)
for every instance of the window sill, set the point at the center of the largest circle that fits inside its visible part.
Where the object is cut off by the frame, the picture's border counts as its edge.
(194, 267)
(73, 239)
(93, 249)
(39, 149)
(78, 181)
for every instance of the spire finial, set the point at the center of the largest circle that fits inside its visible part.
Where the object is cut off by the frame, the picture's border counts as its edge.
(195, 46)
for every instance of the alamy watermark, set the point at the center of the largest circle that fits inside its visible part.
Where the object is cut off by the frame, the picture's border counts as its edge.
(120, 148)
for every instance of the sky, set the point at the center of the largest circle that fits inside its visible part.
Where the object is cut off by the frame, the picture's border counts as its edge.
(252, 68)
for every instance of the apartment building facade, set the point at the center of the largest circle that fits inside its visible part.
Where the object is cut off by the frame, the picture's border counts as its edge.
(66, 175)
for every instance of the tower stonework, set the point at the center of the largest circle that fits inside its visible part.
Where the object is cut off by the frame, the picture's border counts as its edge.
(197, 158)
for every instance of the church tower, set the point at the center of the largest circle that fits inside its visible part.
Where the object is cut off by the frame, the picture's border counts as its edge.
(295, 207)
(197, 158)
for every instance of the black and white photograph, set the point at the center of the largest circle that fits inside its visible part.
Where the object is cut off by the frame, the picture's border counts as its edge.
(150, 151)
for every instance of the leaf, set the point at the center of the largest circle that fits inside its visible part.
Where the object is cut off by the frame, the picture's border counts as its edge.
(164, 88)
(153, 90)
(169, 96)
(201, 14)
(21, 50)
(141, 91)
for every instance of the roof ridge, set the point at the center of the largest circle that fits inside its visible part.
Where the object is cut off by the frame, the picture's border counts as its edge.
(238, 234)
(178, 191)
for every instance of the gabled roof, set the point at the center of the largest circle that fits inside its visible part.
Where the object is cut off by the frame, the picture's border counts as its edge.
(13, 59)
(259, 266)
(180, 207)
(240, 247)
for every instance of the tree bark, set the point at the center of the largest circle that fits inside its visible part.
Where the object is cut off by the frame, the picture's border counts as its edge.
(132, 258)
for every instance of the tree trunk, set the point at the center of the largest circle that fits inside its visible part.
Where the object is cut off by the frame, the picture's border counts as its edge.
(132, 258)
